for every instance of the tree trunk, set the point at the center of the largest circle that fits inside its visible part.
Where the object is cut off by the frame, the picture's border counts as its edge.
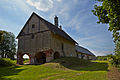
(5, 55)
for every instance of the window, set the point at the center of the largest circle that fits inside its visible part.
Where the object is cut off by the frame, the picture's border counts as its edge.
(33, 25)
(32, 36)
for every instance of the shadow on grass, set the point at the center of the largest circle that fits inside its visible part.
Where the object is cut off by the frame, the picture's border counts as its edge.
(93, 66)
(9, 71)
(82, 65)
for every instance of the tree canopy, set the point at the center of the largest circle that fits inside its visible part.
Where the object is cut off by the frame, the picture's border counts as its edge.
(108, 12)
(8, 45)
(1, 37)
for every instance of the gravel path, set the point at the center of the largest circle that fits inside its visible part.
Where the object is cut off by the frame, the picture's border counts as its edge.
(113, 74)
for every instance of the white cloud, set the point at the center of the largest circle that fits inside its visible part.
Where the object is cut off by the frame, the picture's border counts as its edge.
(87, 38)
(95, 42)
(59, 0)
(62, 9)
(42, 5)
(90, 42)
(102, 52)
(16, 6)
(95, 45)
(77, 21)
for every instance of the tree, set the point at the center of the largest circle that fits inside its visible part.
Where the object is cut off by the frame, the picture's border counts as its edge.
(109, 13)
(1, 37)
(8, 45)
(102, 57)
(114, 59)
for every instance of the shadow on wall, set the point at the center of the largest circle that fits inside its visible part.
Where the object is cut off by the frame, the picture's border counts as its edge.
(9, 71)
(82, 65)
(40, 58)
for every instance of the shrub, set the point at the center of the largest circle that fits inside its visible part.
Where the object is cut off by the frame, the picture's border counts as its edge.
(114, 60)
(6, 62)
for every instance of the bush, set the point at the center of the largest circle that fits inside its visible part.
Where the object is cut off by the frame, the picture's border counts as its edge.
(114, 60)
(6, 62)
(104, 58)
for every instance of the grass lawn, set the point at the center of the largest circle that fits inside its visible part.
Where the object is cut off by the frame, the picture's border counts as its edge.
(60, 69)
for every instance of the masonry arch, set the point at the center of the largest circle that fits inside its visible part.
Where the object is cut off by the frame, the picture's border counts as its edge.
(21, 59)
(40, 58)
(56, 55)
(26, 59)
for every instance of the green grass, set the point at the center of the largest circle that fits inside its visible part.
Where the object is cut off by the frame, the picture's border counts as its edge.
(6, 62)
(26, 61)
(60, 69)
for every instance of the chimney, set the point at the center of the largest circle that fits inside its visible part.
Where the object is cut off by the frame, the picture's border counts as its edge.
(56, 21)
(60, 27)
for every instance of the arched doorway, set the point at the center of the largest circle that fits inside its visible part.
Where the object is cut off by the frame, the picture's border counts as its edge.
(40, 58)
(21, 58)
(26, 59)
(56, 55)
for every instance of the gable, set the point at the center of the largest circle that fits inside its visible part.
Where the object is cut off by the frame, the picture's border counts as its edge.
(33, 25)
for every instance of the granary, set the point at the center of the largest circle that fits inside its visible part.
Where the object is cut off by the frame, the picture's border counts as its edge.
(43, 41)
(84, 53)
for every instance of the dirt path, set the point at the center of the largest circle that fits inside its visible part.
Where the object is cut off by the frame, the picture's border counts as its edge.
(113, 74)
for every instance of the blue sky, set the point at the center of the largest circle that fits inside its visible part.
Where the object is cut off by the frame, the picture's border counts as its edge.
(75, 16)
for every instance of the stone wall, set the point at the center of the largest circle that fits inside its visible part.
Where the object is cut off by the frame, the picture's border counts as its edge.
(41, 34)
(68, 47)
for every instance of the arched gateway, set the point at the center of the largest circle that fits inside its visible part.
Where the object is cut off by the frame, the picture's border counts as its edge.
(40, 58)
(56, 55)
(20, 58)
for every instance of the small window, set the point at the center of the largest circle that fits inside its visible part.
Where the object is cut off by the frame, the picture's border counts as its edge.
(32, 36)
(33, 25)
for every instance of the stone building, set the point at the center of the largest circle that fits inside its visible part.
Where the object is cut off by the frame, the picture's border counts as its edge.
(43, 41)
(84, 53)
